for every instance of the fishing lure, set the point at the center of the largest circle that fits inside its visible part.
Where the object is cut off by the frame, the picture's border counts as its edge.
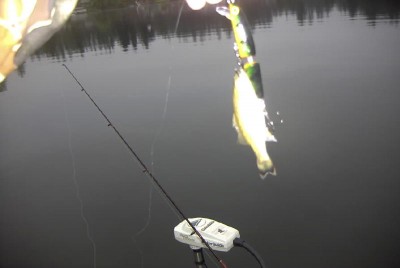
(244, 44)
(250, 117)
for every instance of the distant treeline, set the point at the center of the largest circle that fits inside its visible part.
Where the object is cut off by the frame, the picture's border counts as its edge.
(107, 4)
(138, 25)
(139, 22)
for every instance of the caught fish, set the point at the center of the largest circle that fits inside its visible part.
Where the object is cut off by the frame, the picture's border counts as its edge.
(250, 117)
(249, 122)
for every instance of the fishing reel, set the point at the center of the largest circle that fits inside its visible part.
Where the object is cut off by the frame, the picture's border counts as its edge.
(218, 235)
(201, 233)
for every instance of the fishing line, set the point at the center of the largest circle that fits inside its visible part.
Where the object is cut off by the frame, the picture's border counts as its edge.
(152, 147)
(161, 126)
(179, 17)
(158, 132)
(163, 116)
(165, 110)
(146, 170)
(140, 252)
(75, 181)
(156, 136)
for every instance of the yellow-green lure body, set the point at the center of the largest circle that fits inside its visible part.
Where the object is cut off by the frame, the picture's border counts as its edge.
(244, 44)
(244, 40)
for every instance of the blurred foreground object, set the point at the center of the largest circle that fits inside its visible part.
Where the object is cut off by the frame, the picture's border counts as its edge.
(25, 25)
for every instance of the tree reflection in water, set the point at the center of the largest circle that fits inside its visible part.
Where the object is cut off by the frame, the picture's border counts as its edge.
(134, 27)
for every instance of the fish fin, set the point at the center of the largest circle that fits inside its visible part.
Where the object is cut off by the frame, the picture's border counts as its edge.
(234, 124)
(270, 127)
(224, 11)
(266, 114)
(241, 140)
(269, 137)
(266, 167)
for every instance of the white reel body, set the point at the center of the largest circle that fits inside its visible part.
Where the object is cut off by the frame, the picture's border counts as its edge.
(218, 235)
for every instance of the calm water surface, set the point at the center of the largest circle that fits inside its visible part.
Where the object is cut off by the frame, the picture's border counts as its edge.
(331, 70)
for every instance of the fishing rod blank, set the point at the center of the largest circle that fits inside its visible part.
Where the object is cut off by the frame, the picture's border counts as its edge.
(147, 171)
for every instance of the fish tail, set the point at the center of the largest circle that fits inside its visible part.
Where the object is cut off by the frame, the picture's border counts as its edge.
(265, 167)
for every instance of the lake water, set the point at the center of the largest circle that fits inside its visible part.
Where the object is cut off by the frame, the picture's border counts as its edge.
(72, 196)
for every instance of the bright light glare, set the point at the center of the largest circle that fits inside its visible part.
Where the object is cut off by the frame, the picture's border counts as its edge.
(213, 2)
(196, 4)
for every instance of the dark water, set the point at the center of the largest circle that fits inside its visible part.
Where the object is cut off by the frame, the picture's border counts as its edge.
(331, 69)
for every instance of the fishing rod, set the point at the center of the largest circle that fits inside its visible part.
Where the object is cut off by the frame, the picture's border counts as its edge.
(146, 170)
